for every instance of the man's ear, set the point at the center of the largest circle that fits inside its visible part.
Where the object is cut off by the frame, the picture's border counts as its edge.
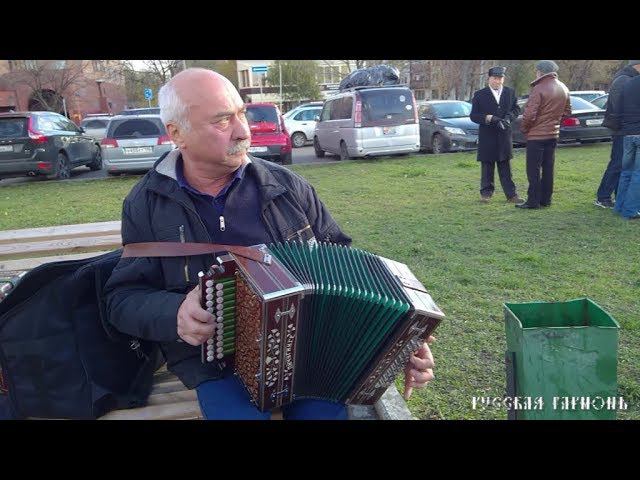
(175, 134)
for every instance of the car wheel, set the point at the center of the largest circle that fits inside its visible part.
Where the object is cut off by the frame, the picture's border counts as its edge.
(286, 159)
(316, 147)
(344, 153)
(437, 144)
(298, 139)
(97, 161)
(63, 169)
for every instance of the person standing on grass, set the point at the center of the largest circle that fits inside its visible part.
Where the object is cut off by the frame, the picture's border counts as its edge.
(628, 200)
(547, 104)
(611, 176)
(494, 108)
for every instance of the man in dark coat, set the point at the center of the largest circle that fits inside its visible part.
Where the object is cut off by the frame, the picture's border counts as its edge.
(494, 108)
(611, 176)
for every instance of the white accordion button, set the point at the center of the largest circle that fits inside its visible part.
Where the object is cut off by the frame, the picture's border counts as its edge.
(219, 318)
(209, 283)
(219, 356)
(209, 303)
(219, 300)
(210, 341)
(220, 343)
(209, 297)
(219, 286)
(219, 293)
(209, 291)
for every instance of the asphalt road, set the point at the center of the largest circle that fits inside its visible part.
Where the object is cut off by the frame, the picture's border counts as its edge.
(301, 156)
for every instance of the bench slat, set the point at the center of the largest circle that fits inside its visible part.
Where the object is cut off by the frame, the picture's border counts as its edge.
(62, 231)
(29, 263)
(174, 411)
(61, 246)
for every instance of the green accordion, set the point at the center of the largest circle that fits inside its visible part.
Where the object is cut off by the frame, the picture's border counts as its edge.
(317, 321)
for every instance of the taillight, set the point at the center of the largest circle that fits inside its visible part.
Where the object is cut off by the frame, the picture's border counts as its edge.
(358, 114)
(109, 143)
(164, 140)
(34, 135)
(571, 122)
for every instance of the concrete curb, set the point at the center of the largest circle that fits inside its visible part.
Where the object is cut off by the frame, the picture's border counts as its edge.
(391, 406)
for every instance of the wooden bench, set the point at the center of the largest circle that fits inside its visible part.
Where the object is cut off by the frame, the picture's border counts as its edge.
(22, 250)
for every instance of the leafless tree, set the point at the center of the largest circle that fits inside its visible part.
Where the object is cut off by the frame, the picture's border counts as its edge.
(51, 80)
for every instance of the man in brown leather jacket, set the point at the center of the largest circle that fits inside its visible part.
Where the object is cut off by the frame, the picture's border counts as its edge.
(548, 102)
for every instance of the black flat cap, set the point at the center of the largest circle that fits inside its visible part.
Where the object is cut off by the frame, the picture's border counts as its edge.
(497, 71)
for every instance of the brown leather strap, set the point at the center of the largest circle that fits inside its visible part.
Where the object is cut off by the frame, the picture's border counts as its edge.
(179, 249)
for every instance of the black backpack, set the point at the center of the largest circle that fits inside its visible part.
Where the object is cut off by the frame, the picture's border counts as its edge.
(59, 356)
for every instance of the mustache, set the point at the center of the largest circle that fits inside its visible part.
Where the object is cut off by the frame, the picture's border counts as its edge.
(239, 146)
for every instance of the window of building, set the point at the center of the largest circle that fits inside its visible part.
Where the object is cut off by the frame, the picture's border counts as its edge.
(420, 94)
(244, 74)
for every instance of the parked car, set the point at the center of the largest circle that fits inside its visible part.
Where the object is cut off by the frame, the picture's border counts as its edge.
(587, 95)
(301, 123)
(445, 126)
(141, 111)
(367, 121)
(44, 143)
(95, 126)
(297, 109)
(269, 136)
(134, 143)
(584, 125)
(601, 101)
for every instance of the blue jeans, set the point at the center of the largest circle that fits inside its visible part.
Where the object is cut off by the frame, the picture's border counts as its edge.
(227, 399)
(611, 176)
(628, 197)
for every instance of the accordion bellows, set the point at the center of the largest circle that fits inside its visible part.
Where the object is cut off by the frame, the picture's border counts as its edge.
(320, 321)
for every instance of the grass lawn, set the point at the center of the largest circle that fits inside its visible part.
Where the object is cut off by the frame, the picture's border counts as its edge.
(472, 257)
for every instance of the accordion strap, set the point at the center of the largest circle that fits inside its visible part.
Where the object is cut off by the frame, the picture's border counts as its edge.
(179, 249)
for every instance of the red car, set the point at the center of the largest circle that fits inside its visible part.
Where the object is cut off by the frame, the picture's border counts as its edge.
(269, 138)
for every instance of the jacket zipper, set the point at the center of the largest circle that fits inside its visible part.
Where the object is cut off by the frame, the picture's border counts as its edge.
(186, 259)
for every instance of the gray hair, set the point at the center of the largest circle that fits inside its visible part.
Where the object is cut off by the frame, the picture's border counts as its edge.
(172, 107)
(546, 66)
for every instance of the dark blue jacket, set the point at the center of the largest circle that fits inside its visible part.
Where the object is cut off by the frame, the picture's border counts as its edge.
(630, 111)
(143, 294)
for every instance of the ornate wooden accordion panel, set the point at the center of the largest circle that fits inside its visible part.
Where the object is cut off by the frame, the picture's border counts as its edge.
(321, 321)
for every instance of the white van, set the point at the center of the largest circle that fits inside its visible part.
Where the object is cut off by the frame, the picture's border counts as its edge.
(366, 121)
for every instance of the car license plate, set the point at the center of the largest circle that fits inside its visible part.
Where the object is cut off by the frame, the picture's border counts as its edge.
(6, 148)
(594, 122)
(137, 150)
(258, 149)
(389, 130)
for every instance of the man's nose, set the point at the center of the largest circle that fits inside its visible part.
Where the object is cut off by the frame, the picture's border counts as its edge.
(241, 130)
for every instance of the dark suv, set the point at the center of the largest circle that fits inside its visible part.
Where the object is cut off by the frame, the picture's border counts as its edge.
(44, 143)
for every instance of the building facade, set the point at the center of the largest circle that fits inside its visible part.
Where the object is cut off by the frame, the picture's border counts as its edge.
(252, 86)
(73, 88)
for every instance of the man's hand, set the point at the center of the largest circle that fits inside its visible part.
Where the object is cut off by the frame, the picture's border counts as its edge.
(419, 370)
(488, 118)
(195, 324)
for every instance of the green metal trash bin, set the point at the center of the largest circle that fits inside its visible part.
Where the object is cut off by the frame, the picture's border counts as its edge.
(561, 361)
